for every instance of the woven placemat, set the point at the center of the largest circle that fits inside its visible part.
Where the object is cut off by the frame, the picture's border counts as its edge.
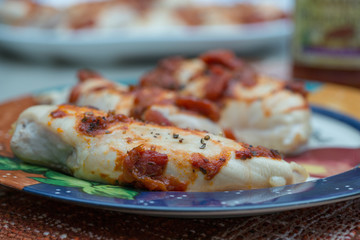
(24, 216)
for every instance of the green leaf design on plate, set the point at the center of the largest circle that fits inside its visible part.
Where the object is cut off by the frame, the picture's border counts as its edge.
(8, 164)
(32, 168)
(65, 180)
(111, 191)
(60, 179)
(12, 164)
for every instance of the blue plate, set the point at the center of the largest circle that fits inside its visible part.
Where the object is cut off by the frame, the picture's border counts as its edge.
(332, 125)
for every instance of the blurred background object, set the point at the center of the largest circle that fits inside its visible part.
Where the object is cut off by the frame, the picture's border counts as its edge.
(136, 13)
(326, 44)
(108, 31)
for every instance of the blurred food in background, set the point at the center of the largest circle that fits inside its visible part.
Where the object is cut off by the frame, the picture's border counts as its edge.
(106, 31)
(135, 13)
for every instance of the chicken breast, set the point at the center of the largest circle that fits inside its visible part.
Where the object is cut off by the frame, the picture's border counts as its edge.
(253, 108)
(112, 148)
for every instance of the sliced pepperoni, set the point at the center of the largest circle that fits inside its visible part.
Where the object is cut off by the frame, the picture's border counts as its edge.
(249, 151)
(229, 134)
(146, 97)
(219, 79)
(163, 75)
(156, 117)
(223, 70)
(208, 167)
(145, 169)
(75, 93)
(201, 106)
(85, 74)
(222, 57)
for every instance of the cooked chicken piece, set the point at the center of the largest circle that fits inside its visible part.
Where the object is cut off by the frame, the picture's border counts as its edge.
(253, 108)
(113, 148)
(132, 14)
(154, 105)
